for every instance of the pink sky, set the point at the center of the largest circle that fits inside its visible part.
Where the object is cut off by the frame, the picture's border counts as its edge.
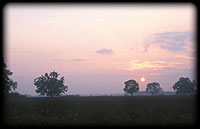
(99, 47)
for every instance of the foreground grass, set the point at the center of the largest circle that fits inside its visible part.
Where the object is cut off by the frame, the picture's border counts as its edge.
(101, 111)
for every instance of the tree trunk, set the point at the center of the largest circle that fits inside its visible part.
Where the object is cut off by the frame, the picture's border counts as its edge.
(51, 95)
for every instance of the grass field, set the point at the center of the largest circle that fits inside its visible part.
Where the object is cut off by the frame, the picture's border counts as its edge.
(101, 111)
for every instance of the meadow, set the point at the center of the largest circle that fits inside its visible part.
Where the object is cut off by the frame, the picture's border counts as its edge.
(101, 111)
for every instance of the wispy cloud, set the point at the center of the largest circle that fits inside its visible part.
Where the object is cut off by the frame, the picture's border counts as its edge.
(154, 74)
(71, 60)
(78, 60)
(155, 65)
(58, 60)
(104, 51)
(136, 65)
(172, 41)
(169, 68)
(184, 56)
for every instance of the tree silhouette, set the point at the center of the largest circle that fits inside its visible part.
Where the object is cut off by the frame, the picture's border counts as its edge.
(50, 85)
(8, 84)
(195, 85)
(131, 86)
(184, 86)
(153, 88)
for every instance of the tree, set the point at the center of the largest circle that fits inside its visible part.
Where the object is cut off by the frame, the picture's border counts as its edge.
(184, 86)
(8, 84)
(195, 85)
(50, 85)
(153, 88)
(131, 86)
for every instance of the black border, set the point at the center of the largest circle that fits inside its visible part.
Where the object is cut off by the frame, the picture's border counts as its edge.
(108, 2)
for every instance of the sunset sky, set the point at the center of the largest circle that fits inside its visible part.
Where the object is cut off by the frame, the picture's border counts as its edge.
(99, 47)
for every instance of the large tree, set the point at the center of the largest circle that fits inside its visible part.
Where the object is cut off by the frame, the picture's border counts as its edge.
(153, 88)
(184, 86)
(50, 85)
(8, 84)
(131, 86)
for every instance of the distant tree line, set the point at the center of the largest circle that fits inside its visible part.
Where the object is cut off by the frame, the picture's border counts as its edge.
(182, 86)
(50, 85)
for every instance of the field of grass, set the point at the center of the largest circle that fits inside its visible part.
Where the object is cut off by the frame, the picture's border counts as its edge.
(101, 111)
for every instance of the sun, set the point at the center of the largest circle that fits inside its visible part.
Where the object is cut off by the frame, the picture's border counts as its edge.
(142, 79)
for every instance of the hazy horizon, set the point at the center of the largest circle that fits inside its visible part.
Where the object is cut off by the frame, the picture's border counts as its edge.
(99, 47)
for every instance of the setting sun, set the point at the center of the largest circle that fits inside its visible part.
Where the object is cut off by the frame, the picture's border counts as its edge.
(142, 79)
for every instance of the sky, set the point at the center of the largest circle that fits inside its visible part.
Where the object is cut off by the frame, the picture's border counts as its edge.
(96, 48)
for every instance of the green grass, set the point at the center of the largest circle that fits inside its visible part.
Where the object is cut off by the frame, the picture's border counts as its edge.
(101, 111)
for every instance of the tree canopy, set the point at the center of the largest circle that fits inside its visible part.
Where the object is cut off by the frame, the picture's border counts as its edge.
(8, 84)
(131, 86)
(50, 85)
(153, 88)
(184, 86)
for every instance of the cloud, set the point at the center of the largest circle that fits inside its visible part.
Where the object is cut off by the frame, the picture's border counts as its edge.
(136, 65)
(104, 51)
(154, 74)
(59, 60)
(71, 60)
(172, 41)
(77, 60)
(157, 65)
(184, 56)
(169, 68)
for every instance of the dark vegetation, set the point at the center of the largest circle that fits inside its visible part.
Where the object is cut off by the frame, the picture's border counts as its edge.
(153, 88)
(50, 85)
(100, 111)
(8, 83)
(185, 86)
(55, 110)
(131, 86)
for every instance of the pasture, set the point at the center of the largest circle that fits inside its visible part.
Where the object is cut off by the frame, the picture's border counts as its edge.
(100, 111)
